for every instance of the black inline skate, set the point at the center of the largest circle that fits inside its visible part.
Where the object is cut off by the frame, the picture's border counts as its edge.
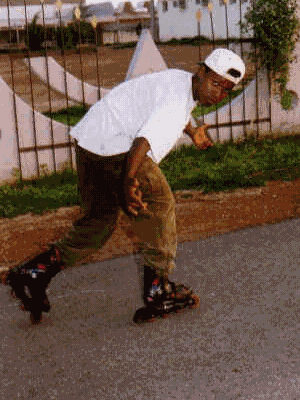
(163, 297)
(30, 280)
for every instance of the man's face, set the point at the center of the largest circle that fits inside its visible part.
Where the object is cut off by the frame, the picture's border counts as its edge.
(211, 88)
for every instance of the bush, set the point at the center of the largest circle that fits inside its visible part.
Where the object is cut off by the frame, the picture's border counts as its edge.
(276, 31)
(35, 35)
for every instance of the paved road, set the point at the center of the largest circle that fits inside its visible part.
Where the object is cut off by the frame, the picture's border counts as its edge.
(242, 343)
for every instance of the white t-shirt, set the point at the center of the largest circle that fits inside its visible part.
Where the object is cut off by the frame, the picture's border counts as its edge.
(155, 106)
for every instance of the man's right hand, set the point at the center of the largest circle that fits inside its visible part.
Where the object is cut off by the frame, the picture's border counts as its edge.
(133, 197)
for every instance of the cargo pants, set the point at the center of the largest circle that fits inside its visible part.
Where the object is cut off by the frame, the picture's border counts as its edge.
(102, 199)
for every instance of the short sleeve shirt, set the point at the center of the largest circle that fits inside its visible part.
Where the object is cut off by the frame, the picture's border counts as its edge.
(155, 106)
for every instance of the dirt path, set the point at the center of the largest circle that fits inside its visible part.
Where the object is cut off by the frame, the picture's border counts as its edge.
(198, 217)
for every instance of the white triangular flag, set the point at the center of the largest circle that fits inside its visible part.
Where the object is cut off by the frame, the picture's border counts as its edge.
(146, 58)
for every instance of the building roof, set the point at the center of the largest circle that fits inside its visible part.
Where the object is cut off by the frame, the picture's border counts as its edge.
(104, 12)
(125, 8)
(99, 10)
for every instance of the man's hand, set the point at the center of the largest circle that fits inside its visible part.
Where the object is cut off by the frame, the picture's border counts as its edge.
(133, 197)
(199, 136)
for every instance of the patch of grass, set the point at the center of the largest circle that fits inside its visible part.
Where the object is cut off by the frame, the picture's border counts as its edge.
(225, 166)
(233, 165)
(39, 195)
(121, 45)
(68, 116)
(196, 40)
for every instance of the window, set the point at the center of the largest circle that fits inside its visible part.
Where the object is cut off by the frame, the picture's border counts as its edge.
(175, 4)
(182, 4)
(165, 6)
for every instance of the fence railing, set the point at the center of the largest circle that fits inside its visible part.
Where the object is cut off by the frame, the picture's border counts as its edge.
(31, 139)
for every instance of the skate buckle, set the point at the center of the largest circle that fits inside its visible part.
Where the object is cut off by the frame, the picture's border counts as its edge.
(34, 272)
(167, 305)
(156, 288)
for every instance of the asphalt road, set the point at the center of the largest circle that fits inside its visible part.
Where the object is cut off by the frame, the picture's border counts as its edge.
(242, 343)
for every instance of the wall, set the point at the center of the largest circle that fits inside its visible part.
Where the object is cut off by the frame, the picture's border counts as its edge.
(25, 126)
(176, 23)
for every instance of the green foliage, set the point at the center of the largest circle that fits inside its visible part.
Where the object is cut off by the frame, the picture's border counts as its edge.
(82, 32)
(276, 30)
(69, 116)
(286, 99)
(64, 38)
(138, 29)
(35, 35)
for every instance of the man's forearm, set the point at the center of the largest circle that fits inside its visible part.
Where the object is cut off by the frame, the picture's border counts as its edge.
(136, 155)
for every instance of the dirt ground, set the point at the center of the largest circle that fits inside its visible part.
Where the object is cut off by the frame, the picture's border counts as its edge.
(199, 216)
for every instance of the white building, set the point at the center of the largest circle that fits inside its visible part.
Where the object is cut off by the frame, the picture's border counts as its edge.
(177, 18)
(15, 15)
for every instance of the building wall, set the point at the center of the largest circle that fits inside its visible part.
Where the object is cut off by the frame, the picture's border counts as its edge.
(177, 23)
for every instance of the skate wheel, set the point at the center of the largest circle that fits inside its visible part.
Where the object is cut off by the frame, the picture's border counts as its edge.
(143, 315)
(35, 318)
(194, 301)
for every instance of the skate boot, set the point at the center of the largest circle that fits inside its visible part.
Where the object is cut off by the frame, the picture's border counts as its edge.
(30, 280)
(162, 297)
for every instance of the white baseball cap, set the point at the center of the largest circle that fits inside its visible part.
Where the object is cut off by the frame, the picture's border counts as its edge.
(227, 64)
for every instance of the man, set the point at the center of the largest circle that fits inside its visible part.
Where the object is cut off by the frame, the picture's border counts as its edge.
(120, 142)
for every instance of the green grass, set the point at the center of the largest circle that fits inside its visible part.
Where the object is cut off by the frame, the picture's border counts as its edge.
(233, 165)
(69, 116)
(223, 167)
(196, 40)
(39, 195)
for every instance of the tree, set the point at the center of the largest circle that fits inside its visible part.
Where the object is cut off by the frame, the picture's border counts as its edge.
(275, 27)
(35, 34)
(138, 29)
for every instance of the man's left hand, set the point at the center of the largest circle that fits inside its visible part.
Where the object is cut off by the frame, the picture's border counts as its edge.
(200, 138)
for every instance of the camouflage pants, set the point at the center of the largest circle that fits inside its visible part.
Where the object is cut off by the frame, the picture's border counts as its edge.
(101, 191)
